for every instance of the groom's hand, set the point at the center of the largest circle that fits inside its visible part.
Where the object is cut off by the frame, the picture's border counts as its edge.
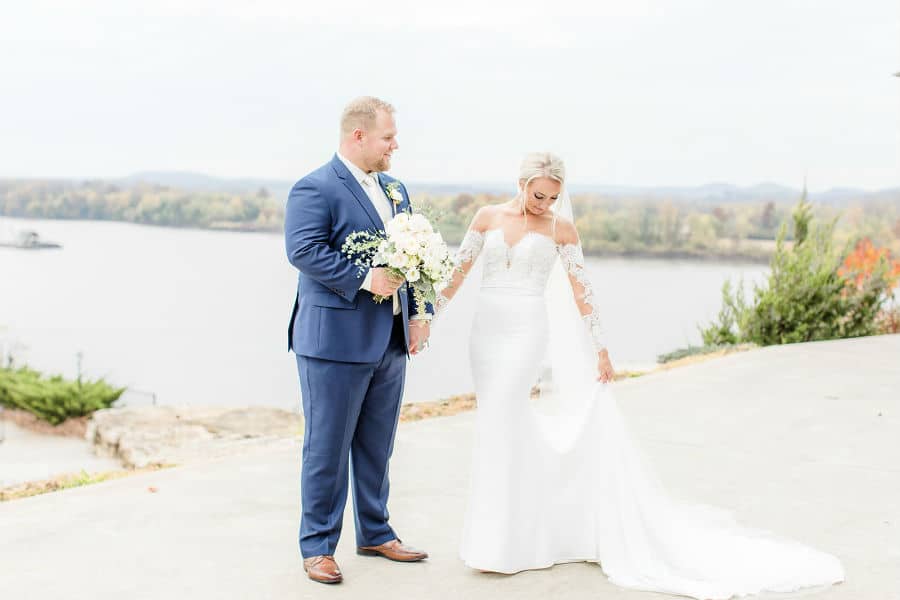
(419, 330)
(384, 283)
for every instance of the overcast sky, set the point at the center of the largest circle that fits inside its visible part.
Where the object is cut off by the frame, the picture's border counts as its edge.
(629, 92)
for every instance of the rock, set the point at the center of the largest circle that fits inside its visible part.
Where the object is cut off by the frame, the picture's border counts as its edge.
(157, 435)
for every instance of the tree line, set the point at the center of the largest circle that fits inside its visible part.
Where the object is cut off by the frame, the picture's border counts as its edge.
(608, 225)
(141, 203)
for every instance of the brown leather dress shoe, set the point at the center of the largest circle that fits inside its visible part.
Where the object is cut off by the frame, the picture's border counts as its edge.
(322, 569)
(394, 550)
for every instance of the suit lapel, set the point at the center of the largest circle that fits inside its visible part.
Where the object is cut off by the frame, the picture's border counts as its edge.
(351, 184)
(404, 299)
(387, 195)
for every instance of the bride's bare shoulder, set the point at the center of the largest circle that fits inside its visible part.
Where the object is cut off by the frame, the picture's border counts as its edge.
(485, 216)
(566, 233)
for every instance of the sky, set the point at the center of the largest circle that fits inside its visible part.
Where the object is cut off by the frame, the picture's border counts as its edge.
(636, 92)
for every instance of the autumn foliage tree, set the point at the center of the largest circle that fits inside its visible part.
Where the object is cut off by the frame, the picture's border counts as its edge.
(866, 262)
(814, 291)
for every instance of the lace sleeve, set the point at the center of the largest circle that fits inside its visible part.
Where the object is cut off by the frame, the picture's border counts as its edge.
(465, 257)
(470, 247)
(572, 258)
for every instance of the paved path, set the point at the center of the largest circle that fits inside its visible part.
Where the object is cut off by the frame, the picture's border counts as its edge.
(803, 440)
(29, 456)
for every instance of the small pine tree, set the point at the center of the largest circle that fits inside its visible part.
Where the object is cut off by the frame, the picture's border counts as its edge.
(806, 297)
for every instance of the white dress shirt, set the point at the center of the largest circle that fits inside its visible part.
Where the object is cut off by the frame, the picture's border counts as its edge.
(381, 204)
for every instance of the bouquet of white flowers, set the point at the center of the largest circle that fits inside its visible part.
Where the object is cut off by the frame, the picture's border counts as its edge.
(409, 247)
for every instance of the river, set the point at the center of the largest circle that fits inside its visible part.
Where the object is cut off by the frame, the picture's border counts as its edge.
(199, 317)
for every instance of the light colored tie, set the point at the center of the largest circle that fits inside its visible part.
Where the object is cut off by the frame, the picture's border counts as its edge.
(378, 203)
(369, 182)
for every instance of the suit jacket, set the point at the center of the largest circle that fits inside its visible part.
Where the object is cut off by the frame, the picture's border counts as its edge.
(333, 319)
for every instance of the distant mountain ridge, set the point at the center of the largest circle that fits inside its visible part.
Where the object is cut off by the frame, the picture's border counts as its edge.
(712, 192)
(207, 183)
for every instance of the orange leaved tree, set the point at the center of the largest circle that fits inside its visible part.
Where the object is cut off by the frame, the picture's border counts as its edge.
(865, 261)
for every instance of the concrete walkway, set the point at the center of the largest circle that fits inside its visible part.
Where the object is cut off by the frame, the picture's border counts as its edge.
(29, 456)
(803, 440)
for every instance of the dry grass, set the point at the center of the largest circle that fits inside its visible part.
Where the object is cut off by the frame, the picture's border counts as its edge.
(437, 408)
(465, 402)
(699, 358)
(72, 427)
(72, 480)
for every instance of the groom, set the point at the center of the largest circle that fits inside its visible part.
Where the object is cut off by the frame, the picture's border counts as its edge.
(351, 350)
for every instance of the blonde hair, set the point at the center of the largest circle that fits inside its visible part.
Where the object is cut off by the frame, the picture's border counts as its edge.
(361, 113)
(535, 165)
(541, 164)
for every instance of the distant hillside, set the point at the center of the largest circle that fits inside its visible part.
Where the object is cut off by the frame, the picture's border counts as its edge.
(711, 221)
(721, 193)
(199, 182)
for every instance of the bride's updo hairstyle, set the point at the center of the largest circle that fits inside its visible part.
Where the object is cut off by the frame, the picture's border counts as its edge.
(541, 164)
(535, 165)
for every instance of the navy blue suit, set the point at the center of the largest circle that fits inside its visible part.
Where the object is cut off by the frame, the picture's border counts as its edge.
(351, 358)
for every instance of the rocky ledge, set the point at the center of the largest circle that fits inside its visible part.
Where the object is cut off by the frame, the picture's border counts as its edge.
(166, 435)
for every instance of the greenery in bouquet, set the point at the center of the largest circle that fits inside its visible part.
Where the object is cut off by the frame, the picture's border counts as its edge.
(408, 248)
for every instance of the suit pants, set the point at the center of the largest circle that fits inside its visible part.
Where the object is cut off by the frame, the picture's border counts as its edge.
(351, 412)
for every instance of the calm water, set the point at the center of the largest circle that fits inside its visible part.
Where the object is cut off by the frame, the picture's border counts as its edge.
(199, 317)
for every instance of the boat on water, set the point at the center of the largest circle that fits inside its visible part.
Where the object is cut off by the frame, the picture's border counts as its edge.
(28, 240)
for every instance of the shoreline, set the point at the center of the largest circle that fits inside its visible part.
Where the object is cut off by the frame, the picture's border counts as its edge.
(666, 255)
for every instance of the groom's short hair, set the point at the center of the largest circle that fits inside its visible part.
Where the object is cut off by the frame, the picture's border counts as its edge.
(360, 113)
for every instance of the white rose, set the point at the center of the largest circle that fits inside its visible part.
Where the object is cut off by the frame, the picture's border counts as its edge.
(435, 257)
(419, 223)
(392, 228)
(400, 223)
(408, 244)
(397, 260)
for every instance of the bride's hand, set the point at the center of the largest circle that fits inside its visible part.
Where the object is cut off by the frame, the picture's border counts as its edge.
(419, 331)
(605, 371)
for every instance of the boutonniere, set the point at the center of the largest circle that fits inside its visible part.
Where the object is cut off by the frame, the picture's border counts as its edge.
(394, 193)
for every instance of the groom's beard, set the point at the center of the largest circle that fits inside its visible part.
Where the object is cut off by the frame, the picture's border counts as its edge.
(382, 165)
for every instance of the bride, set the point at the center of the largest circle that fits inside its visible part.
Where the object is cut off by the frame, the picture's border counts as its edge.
(562, 480)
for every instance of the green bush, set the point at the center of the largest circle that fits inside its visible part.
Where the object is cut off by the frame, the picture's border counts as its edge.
(54, 399)
(805, 298)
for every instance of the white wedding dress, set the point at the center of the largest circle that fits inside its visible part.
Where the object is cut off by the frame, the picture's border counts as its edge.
(572, 486)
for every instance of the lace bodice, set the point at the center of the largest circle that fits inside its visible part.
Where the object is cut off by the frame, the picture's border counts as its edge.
(525, 267)
(521, 268)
